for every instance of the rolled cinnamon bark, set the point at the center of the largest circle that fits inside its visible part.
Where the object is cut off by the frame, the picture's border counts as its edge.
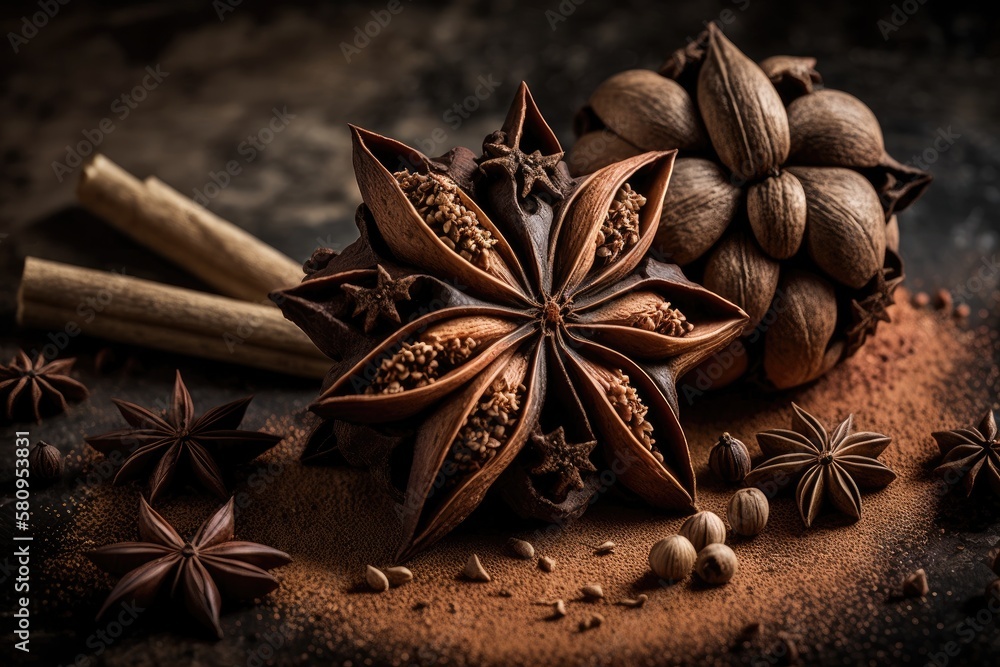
(72, 300)
(155, 215)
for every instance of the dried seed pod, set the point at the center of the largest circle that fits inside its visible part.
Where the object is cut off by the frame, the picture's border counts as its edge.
(743, 113)
(45, 462)
(649, 111)
(892, 234)
(776, 208)
(672, 558)
(546, 564)
(377, 581)
(474, 570)
(594, 621)
(729, 459)
(604, 548)
(796, 346)
(598, 149)
(845, 224)
(716, 564)
(700, 203)
(791, 75)
(748, 512)
(704, 528)
(833, 129)
(398, 576)
(915, 584)
(520, 549)
(592, 592)
(739, 271)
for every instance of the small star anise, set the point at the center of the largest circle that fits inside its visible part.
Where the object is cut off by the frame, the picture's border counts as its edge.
(564, 460)
(201, 570)
(830, 466)
(503, 149)
(38, 388)
(874, 308)
(379, 302)
(970, 452)
(177, 440)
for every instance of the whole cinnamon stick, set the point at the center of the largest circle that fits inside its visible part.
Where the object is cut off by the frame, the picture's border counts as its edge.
(155, 215)
(70, 300)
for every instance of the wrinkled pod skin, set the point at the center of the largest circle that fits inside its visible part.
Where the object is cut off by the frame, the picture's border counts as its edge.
(525, 336)
(796, 176)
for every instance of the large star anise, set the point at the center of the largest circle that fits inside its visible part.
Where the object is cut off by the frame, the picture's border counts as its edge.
(33, 389)
(828, 466)
(179, 441)
(525, 316)
(201, 570)
(971, 452)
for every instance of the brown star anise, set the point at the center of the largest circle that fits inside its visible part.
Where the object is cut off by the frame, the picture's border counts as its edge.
(867, 312)
(527, 315)
(201, 570)
(379, 301)
(830, 466)
(35, 389)
(178, 440)
(971, 452)
(565, 460)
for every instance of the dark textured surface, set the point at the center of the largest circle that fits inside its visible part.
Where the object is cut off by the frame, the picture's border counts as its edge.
(936, 75)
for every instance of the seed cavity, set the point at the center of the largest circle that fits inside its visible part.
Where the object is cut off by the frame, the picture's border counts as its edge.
(488, 427)
(420, 363)
(629, 406)
(620, 230)
(439, 205)
(662, 319)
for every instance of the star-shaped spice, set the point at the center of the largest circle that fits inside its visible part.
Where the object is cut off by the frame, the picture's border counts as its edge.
(532, 169)
(379, 302)
(179, 441)
(33, 389)
(971, 452)
(201, 570)
(872, 309)
(828, 466)
(563, 460)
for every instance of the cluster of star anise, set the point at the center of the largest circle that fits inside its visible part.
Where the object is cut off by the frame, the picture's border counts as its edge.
(498, 319)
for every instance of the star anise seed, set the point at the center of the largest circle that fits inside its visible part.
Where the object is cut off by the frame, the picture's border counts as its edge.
(828, 465)
(202, 570)
(32, 389)
(179, 441)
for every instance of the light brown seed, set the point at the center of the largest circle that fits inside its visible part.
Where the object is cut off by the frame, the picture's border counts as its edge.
(738, 270)
(604, 548)
(474, 570)
(833, 129)
(748, 512)
(797, 346)
(546, 564)
(915, 584)
(776, 208)
(716, 564)
(594, 621)
(398, 576)
(704, 528)
(672, 558)
(558, 609)
(592, 592)
(637, 603)
(519, 548)
(376, 579)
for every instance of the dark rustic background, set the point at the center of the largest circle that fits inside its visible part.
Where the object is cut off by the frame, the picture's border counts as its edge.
(438, 75)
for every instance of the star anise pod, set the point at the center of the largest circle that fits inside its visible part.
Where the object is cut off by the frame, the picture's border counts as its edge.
(971, 452)
(527, 320)
(201, 570)
(783, 198)
(830, 466)
(177, 440)
(33, 389)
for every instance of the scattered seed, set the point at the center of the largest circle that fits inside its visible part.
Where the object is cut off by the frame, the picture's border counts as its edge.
(605, 548)
(921, 300)
(592, 592)
(420, 606)
(558, 609)
(637, 603)
(505, 593)
(594, 621)
(915, 585)
(376, 579)
(398, 576)
(474, 571)
(546, 564)
(962, 311)
(520, 549)
(943, 300)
